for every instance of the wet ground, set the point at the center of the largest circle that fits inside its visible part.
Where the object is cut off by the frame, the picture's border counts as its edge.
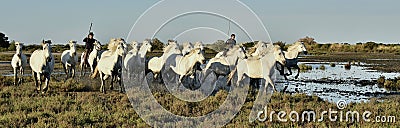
(337, 83)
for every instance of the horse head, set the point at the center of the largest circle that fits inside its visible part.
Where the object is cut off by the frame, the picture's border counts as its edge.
(18, 48)
(199, 45)
(135, 45)
(146, 46)
(72, 48)
(300, 47)
(46, 47)
(97, 45)
(187, 47)
(197, 55)
(278, 54)
(172, 48)
(237, 51)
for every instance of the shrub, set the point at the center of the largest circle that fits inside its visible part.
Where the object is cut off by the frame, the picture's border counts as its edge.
(322, 67)
(305, 67)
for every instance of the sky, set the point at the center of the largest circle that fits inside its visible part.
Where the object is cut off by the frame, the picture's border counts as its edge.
(343, 21)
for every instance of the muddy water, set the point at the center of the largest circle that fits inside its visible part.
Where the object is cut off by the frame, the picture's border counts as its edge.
(336, 83)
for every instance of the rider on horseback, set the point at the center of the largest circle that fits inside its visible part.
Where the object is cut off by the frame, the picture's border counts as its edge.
(89, 44)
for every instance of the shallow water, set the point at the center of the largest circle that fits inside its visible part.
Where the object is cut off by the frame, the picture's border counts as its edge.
(336, 83)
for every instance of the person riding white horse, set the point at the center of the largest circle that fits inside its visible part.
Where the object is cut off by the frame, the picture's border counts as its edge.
(42, 64)
(111, 64)
(156, 63)
(69, 59)
(229, 60)
(291, 56)
(92, 60)
(18, 62)
(259, 67)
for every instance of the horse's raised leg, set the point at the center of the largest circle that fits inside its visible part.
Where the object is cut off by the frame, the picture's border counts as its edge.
(39, 77)
(268, 80)
(240, 77)
(36, 80)
(103, 81)
(290, 71)
(298, 72)
(73, 72)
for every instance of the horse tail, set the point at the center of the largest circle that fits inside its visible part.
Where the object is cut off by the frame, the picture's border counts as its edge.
(96, 71)
(230, 76)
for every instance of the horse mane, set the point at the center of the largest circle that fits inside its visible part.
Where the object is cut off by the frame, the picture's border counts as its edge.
(113, 45)
(193, 51)
(168, 48)
(186, 44)
(290, 48)
(254, 48)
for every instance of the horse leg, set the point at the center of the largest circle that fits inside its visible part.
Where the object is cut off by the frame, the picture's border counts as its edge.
(65, 71)
(73, 72)
(240, 77)
(82, 74)
(290, 70)
(15, 77)
(46, 83)
(298, 72)
(112, 82)
(268, 80)
(39, 77)
(21, 72)
(36, 80)
(121, 87)
(102, 83)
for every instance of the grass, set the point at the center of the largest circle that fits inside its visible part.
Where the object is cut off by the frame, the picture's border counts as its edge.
(77, 103)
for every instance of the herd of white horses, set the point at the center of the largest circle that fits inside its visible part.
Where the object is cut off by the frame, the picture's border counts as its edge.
(112, 62)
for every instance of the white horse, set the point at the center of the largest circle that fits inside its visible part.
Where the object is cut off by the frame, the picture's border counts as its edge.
(69, 59)
(144, 48)
(92, 59)
(186, 48)
(259, 68)
(131, 53)
(291, 58)
(156, 63)
(184, 64)
(230, 59)
(42, 64)
(111, 64)
(18, 62)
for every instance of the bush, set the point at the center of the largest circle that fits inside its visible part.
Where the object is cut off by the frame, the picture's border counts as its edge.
(322, 67)
(381, 80)
(332, 64)
(304, 67)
